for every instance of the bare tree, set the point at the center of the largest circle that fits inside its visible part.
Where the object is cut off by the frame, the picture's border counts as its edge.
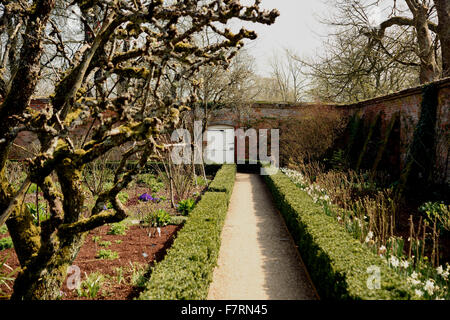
(443, 12)
(348, 70)
(287, 73)
(163, 51)
(366, 56)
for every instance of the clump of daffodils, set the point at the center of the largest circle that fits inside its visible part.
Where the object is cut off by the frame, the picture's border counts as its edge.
(296, 177)
(426, 287)
(425, 284)
(315, 191)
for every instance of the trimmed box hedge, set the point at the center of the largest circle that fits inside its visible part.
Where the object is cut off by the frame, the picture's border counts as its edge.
(337, 263)
(224, 180)
(186, 271)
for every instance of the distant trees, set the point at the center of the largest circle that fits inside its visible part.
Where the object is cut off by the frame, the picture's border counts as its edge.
(406, 45)
(284, 81)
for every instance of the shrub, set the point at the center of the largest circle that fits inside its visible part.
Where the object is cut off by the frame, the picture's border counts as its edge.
(107, 254)
(177, 220)
(310, 136)
(123, 197)
(338, 264)
(201, 181)
(6, 243)
(118, 228)
(159, 218)
(224, 180)
(437, 211)
(3, 229)
(150, 181)
(138, 276)
(187, 269)
(186, 206)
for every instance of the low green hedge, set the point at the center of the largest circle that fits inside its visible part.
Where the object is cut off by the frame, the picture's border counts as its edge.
(224, 180)
(337, 263)
(186, 272)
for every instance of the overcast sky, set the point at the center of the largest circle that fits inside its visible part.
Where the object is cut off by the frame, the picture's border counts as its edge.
(296, 28)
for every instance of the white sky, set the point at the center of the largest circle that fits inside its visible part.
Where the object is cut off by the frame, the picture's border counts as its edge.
(297, 28)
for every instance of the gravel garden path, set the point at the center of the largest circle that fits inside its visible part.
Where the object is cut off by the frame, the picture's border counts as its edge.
(258, 259)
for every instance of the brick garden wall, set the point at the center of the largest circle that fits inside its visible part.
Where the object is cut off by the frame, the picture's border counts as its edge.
(406, 104)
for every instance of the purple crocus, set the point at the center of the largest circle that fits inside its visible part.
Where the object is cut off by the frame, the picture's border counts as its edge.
(145, 197)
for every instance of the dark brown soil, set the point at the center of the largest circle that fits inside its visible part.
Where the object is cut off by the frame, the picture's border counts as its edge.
(136, 250)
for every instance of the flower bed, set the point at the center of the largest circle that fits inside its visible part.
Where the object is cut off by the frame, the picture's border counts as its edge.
(187, 270)
(339, 265)
(427, 282)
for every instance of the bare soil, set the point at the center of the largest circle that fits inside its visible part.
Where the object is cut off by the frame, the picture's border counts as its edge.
(136, 249)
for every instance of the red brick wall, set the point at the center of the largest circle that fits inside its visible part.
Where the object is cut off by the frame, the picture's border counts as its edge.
(406, 102)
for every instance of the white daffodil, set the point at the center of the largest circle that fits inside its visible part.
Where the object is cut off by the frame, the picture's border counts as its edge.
(413, 282)
(394, 261)
(445, 274)
(439, 270)
(418, 293)
(404, 264)
(414, 275)
(369, 236)
(429, 287)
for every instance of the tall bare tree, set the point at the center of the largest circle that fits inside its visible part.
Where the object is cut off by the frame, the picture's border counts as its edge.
(443, 12)
(286, 72)
(377, 43)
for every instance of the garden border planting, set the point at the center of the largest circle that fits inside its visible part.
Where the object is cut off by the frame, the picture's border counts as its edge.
(186, 272)
(337, 263)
